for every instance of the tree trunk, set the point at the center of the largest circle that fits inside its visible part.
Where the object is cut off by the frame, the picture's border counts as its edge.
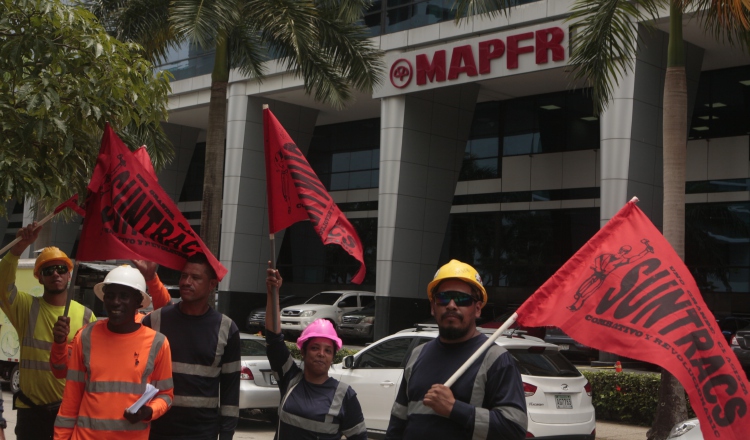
(213, 180)
(672, 408)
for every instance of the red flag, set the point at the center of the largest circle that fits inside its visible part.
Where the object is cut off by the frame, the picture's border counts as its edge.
(71, 203)
(129, 216)
(295, 194)
(626, 291)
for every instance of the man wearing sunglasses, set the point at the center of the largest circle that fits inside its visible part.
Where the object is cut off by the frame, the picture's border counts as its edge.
(33, 318)
(487, 401)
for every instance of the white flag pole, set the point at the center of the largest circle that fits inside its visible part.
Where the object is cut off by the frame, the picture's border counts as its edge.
(481, 350)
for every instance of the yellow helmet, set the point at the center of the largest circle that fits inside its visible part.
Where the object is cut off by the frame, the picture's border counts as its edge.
(455, 269)
(51, 254)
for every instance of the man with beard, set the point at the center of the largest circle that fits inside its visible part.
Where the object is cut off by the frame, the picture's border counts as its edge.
(33, 318)
(485, 402)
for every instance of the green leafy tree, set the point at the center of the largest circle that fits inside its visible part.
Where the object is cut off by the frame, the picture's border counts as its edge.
(606, 43)
(62, 78)
(319, 40)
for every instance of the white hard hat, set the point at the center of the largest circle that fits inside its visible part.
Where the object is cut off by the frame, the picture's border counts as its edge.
(127, 276)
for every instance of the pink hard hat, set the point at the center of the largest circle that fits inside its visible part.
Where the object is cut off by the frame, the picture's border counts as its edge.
(320, 328)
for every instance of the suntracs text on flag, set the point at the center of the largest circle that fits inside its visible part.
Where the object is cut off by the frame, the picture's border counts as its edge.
(295, 193)
(626, 291)
(129, 216)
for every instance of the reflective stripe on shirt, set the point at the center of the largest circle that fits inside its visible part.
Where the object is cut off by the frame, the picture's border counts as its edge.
(35, 365)
(196, 402)
(326, 427)
(110, 425)
(65, 422)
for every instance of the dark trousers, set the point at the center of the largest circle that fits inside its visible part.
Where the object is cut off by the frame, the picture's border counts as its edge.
(34, 424)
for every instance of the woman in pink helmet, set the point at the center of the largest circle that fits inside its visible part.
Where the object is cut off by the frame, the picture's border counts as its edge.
(313, 405)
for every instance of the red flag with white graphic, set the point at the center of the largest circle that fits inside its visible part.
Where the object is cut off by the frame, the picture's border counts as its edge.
(129, 216)
(295, 193)
(626, 291)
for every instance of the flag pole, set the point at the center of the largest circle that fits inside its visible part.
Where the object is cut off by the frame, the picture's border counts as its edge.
(481, 350)
(71, 289)
(274, 290)
(17, 239)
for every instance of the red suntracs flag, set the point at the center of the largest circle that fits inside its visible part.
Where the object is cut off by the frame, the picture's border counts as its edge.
(626, 291)
(295, 194)
(129, 216)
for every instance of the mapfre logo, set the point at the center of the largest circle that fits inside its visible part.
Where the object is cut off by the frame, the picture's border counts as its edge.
(401, 73)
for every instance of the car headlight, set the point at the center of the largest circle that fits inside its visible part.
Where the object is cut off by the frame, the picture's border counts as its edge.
(681, 429)
(368, 319)
(307, 313)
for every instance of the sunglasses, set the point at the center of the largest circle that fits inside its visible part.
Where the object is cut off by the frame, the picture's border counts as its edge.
(460, 298)
(61, 269)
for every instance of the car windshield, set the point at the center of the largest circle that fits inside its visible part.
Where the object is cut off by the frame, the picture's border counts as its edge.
(252, 347)
(325, 298)
(364, 310)
(538, 361)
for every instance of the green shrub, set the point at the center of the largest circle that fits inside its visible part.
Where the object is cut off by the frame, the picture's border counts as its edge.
(339, 357)
(629, 398)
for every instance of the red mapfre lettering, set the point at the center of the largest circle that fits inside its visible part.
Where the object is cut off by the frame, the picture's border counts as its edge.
(549, 40)
(514, 50)
(434, 70)
(462, 61)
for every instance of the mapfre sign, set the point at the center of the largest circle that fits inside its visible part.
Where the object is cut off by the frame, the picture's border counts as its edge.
(540, 47)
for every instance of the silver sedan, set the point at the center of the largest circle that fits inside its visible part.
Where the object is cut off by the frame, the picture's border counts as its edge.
(258, 383)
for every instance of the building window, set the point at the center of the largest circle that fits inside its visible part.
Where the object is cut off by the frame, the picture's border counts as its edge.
(192, 188)
(717, 246)
(722, 104)
(549, 123)
(518, 249)
(347, 155)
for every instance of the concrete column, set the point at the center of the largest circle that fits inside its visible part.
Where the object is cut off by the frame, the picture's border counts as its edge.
(422, 144)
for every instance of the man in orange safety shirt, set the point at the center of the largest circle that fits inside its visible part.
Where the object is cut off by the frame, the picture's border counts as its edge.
(110, 365)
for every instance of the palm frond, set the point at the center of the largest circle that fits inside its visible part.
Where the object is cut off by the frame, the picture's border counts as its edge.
(604, 37)
(200, 21)
(727, 21)
(142, 21)
(491, 8)
(247, 51)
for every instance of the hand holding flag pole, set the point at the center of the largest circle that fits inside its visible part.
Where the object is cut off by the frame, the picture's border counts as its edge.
(491, 340)
(17, 239)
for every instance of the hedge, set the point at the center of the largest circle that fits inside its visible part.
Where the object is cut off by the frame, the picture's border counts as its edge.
(629, 398)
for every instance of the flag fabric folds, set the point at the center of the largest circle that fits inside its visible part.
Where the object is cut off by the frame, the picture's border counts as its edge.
(626, 291)
(295, 193)
(129, 216)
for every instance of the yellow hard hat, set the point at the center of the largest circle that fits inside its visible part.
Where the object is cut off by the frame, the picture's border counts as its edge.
(455, 269)
(51, 254)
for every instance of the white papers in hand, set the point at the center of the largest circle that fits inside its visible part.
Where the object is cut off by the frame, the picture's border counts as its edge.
(149, 394)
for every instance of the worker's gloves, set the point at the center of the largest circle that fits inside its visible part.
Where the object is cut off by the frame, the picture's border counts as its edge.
(142, 415)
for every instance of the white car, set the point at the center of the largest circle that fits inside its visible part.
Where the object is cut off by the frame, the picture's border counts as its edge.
(329, 305)
(688, 430)
(259, 388)
(558, 397)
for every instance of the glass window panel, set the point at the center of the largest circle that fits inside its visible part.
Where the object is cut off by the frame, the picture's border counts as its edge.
(526, 143)
(340, 162)
(482, 148)
(339, 181)
(359, 179)
(360, 160)
(389, 354)
(375, 179)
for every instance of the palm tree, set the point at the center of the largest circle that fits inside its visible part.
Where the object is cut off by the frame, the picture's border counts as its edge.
(605, 46)
(319, 40)
(604, 50)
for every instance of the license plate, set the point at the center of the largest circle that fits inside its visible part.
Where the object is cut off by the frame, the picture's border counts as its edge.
(563, 401)
(273, 379)
(564, 346)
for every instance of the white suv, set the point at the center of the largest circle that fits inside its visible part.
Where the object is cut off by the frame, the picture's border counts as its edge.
(326, 305)
(558, 397)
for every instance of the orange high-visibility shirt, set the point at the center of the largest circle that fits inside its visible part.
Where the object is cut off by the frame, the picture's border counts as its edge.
(108, 372)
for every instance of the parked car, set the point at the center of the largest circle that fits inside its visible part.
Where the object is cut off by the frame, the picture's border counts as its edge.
(571, 348)
(687, 430)
(329, 305)
(741, 348)
(259, 387)
(558, 397)
(358, 324)
(729, 325)
(256, 320)
(537, 332)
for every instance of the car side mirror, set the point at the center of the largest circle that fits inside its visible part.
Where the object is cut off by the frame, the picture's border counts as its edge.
(349, 361)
